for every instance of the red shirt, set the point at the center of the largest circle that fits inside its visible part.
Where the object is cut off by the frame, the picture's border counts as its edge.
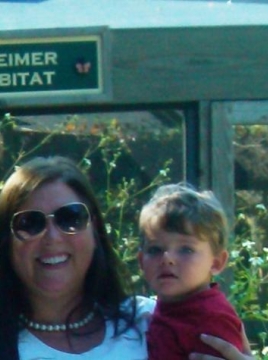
(175, 328)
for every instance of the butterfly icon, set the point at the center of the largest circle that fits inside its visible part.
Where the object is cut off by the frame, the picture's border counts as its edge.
(82, 67)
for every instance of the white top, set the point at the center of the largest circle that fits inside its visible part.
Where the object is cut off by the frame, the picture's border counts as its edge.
(129, 346)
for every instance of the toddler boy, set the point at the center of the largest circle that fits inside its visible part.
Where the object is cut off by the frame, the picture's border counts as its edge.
(184, 242)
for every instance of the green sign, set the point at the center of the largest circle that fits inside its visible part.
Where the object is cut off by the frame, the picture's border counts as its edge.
(53, 64)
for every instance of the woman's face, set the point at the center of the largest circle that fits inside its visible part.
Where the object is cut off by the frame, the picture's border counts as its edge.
(54, 264)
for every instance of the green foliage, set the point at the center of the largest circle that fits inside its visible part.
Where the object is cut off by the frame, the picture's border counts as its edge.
(249, 288)
(121, 201)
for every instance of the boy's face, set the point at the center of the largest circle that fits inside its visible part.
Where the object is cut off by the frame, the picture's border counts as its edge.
(177, 265)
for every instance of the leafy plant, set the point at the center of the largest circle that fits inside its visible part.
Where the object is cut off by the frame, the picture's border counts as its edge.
(249, 264)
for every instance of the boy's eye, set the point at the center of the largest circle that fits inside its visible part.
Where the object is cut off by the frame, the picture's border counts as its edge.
(154, 250)
(185, 250)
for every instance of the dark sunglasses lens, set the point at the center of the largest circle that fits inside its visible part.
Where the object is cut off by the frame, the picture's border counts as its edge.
(28, 224)
(72, 217)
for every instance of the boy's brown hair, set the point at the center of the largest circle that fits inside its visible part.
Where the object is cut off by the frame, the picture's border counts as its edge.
(182, 209)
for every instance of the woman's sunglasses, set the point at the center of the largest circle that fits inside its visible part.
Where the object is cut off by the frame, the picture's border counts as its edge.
(30, 224)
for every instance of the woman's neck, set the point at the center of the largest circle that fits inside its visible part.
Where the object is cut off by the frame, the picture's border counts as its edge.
(56, 309)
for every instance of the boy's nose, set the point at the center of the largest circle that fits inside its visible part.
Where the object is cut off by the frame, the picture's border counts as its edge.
(168, 257)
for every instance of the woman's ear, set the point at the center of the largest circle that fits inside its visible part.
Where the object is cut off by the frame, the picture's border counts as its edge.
(219, 262)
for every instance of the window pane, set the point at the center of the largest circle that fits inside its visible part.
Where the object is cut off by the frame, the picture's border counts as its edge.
(125, 154)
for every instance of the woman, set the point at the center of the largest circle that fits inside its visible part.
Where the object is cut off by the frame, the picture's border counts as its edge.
(64, 292)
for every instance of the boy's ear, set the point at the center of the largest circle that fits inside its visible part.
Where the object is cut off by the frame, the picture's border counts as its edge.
(219, 262)
(140, 259)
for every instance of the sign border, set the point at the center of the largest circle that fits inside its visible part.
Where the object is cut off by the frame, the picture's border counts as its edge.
(71, 97)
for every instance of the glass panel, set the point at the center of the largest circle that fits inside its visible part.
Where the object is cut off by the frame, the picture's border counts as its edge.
(251, 232)
(125, 154)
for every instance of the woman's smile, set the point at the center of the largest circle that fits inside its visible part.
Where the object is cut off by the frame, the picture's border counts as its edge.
(53, 260)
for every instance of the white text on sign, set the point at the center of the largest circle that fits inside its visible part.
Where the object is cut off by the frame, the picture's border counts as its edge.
(27, 59)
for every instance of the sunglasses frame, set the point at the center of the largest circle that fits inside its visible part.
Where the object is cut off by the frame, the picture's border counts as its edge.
(46, 216)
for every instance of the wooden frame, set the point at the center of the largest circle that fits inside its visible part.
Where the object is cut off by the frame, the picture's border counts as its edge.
(207, 55)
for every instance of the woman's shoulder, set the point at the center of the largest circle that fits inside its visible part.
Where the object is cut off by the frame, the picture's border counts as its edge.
(144, 308)
(145, 304)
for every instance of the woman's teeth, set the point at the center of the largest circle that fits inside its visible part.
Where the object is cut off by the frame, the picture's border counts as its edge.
(54, 260)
